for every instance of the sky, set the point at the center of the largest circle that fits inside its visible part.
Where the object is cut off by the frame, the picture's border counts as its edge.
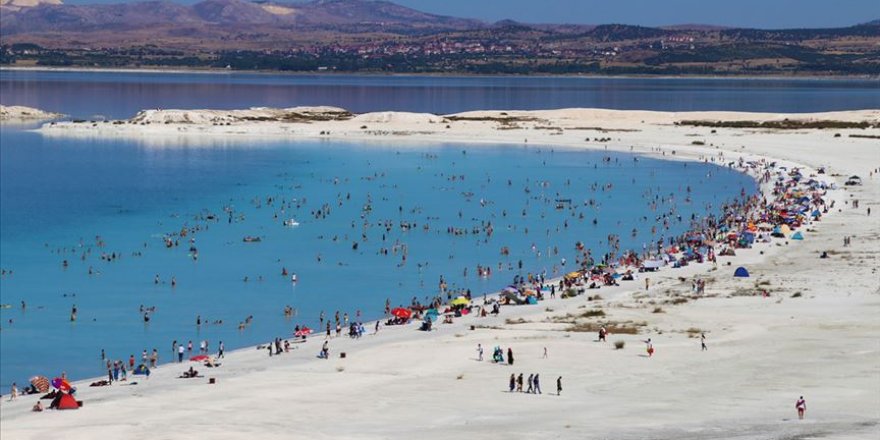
(734, 13)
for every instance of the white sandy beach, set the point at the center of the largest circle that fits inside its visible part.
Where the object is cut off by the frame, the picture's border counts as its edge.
(22, 114)
(763, 352)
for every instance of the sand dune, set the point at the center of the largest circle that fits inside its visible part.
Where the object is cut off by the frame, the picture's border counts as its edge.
(16, 113)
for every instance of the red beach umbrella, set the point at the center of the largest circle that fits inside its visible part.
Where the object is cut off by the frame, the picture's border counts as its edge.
(402, 313)
(199, 358)
(305, 331)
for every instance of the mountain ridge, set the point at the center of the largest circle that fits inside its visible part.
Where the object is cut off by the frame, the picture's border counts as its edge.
(381, 36)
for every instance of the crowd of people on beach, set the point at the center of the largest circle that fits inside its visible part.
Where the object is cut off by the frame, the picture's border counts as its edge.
(792, 200)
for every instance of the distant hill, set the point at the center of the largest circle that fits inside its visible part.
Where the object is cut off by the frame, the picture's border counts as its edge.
(35, 16)
(381, 36)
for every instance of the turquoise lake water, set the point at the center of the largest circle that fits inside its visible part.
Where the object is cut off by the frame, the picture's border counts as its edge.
(60, 197)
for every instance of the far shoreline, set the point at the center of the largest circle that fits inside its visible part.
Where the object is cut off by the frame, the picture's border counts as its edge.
(329, 73)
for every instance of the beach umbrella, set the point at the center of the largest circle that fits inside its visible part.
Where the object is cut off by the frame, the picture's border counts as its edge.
(402, 313)
(460, 301)
(199, 358)
(41, 383)
(305, 331)
(511, 289)
(61, 384)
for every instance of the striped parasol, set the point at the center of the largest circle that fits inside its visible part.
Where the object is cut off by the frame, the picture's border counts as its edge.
(41, 383)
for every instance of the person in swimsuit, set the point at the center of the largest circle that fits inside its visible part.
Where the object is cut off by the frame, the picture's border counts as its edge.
(801, 406)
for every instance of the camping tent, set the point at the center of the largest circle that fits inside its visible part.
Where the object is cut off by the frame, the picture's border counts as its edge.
(141, 369)
(64, 401)
(797, 236)
(741, 272)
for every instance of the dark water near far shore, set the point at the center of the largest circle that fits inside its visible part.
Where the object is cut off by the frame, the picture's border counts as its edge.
(121, 95)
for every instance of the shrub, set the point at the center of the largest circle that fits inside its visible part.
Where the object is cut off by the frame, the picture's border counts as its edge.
(593, 313)
(658, 310)
(618, 345)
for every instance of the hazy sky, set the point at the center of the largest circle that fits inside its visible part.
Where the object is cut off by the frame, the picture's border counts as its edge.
(743, 13)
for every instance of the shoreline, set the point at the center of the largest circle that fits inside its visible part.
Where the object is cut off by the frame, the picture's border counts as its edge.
(219, 71)
(624, 300)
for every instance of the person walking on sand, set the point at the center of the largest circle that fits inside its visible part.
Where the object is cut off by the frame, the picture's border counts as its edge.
(649, 347)
(220, 350)
(13, 392)
(801, 406)
(703, 342)
(180, 350)
(545, 353)
(512, 382)
(559, 386)
(509, 356)
(480, 352)
(537, 384)
(519, 383)
(531, 384)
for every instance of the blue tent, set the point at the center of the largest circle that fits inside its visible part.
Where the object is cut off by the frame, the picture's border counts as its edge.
(741, 272)
(797, 236)
(142, 369)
